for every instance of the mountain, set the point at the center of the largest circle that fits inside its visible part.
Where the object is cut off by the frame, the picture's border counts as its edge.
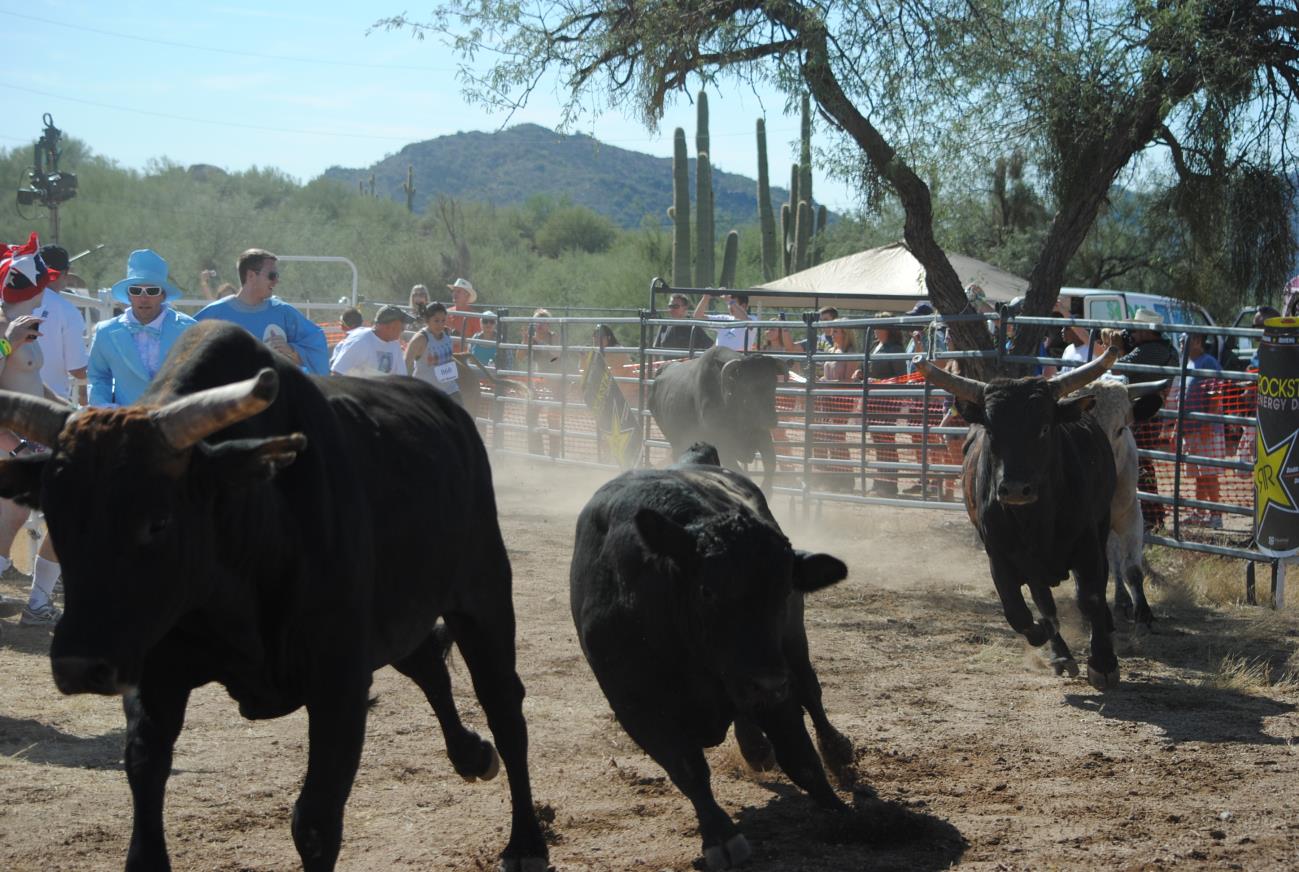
(509, 166)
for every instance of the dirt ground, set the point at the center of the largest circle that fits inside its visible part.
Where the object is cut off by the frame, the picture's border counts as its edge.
(975, 756)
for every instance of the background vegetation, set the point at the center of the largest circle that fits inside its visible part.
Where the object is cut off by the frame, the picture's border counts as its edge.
(546, 249)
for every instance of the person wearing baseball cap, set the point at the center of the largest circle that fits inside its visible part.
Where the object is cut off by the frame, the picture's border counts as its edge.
(461, 324)
(62, 339)
(373, 351)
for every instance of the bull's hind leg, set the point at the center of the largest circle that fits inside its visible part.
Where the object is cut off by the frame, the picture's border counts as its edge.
(486, 641)
(1135, 582)
(472, 756)
(154, 716)
(1090, 579)
(1037, 633)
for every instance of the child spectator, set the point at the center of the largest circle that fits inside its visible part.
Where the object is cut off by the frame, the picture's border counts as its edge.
(429, 356)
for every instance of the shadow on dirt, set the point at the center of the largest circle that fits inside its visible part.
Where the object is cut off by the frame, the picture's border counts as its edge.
(35, 742)
(25, 640)
(790, 832)
(1189, 713)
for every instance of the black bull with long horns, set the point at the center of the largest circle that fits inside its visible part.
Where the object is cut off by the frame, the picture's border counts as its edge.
(250, 525)
(1038, 482)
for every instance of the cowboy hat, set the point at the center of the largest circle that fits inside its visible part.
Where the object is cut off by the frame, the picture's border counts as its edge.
(466, 286)
(144, 267)
(1147, 316)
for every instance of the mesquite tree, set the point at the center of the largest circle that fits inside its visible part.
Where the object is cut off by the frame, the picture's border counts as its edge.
(914, 84)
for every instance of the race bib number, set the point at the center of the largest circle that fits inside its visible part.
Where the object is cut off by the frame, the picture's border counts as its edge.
(445, 372)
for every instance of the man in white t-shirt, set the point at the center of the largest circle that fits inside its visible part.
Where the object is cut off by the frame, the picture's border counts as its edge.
(373, 351)
(739, 338)
(63, 332)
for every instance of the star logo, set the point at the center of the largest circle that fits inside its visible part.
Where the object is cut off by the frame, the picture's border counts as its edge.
(618, 442)
(1269, 487)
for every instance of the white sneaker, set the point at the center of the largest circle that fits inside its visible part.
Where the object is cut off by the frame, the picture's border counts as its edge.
(45, 616)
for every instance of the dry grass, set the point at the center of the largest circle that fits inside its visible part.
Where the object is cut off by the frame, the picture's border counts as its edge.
(1181, 579)
(1249, 675)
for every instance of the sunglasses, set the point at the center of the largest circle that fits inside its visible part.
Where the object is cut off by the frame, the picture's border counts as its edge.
(144, 291)
(272, 275)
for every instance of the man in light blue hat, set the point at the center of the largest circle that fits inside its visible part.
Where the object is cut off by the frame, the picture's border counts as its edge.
(255, 308)
(127, 351)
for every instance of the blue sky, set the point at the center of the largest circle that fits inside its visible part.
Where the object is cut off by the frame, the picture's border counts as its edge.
(299, 86)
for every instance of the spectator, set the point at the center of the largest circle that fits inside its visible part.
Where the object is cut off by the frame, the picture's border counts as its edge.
(923, 338)
(282, 327)
(1080, 348)
(1149, 348)
(617, 361)
(738, 338)
(419, 298)
(63, 331)
(462, 323)
(373, 351)
(1260, 317)
(1203, 438)
(127, 351)
(545, 360)
(683, 336)
(351, 319)
(885, 411)
(429, 355)
(24, 276)
(484, 348)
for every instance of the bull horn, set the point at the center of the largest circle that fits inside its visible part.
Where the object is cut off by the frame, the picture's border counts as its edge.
(730, 370)
(968, 389)
(187, 420)
(34, 418)
(1067, 382)
(1141, 389)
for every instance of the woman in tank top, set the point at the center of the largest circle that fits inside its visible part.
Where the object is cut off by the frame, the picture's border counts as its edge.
(429, 354)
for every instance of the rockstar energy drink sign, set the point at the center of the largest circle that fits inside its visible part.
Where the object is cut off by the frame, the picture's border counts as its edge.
(1276, 462)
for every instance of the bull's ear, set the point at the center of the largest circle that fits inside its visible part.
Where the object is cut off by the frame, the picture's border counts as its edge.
(20, 479)
(815, 571)
(665, 537)
(1067, 411)
(1145, 408)
(971, 412)
(249, 461)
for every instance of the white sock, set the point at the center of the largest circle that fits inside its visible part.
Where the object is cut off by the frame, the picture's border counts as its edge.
(44, 574)
(5, 563)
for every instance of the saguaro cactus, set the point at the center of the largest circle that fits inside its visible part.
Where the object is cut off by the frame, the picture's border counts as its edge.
(680, 211)
(705, 263)
(729, 256)
(409, 187)
(766, 216)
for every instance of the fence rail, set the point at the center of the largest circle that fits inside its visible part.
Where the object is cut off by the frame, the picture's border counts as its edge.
(885, 441)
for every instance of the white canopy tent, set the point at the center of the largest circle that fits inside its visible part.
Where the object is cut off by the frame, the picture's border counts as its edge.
(888, 277)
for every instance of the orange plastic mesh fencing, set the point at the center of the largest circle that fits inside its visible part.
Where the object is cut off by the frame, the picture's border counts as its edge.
(1232, 442)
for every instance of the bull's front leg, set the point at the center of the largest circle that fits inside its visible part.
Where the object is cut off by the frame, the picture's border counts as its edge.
(336, 732)
(155, 714)
(1061, 659)
(767, 451)
(1090, 578)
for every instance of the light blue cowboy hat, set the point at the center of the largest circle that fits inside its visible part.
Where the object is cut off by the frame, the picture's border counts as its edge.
(144, 267)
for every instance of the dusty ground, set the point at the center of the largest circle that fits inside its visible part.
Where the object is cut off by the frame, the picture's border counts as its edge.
(982, 759)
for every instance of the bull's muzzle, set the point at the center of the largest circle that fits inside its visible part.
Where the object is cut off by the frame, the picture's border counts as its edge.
(1016, 493)
(86, 675)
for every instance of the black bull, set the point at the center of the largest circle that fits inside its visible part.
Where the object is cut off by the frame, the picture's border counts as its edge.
(253, 526)
(724, 398)
(1039, 478)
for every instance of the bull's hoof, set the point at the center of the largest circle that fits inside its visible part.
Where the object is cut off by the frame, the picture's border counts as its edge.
(836, 750)
(1103, 681)
(487, 769)
(523, 864)
(728, 856)
(761, 761)
(1065, 666)
(1143, 628)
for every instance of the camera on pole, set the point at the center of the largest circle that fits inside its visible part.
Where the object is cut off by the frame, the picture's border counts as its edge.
(47, 185)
